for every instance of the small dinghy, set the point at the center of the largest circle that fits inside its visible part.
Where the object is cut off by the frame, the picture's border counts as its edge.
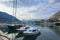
(32, 31)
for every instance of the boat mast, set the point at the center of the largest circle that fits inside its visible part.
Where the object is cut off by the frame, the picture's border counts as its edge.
(14, 10)
(14, 14)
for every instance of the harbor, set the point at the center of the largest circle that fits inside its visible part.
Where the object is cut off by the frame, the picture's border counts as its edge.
(29, 19)
(46, 33)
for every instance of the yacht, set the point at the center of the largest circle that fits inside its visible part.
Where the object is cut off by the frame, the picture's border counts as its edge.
(32, 31)
(23, 28)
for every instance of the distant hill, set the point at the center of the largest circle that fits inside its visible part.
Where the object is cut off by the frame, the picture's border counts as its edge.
(55, 17)
(6, 18)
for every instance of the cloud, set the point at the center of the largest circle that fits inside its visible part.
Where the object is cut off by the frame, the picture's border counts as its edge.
(31, 9)
(4, 8)
(24, 3)
(58, 4)
(53, 1)
(26, 16)
(23, 12)
(5, 0)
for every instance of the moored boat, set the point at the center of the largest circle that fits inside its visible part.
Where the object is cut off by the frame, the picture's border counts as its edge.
(31, 31)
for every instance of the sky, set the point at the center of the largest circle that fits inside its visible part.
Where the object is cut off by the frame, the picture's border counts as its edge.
(31, 9)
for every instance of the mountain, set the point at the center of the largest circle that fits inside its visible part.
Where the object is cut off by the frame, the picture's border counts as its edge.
(6, 18)
(55, 17)
(56, 14)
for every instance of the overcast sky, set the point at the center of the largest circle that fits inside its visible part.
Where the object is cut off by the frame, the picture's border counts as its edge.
(31, 9)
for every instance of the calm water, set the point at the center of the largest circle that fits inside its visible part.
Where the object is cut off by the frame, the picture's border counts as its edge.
(46, 33)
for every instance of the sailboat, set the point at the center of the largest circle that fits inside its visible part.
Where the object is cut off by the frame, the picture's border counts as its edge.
(26, 30)
(14, 25)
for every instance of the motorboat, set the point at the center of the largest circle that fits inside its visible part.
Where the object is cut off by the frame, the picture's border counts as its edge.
(23, 28)
(32, 31)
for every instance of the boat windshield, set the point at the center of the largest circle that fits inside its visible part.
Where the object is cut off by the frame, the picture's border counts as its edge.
(32, 30)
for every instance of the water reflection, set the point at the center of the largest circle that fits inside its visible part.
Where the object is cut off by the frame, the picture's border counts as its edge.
(20, 34)
(31, 37)
(55, 29)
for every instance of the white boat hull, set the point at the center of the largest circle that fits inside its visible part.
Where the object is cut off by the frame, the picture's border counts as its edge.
(34, 33)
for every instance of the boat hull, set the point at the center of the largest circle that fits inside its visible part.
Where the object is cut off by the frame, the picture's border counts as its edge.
(35, 33)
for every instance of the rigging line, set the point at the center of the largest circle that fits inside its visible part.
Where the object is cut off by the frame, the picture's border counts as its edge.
(14, 9)
(13, 12)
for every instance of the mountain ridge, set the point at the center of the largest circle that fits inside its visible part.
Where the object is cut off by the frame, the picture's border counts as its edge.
(5, 17)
